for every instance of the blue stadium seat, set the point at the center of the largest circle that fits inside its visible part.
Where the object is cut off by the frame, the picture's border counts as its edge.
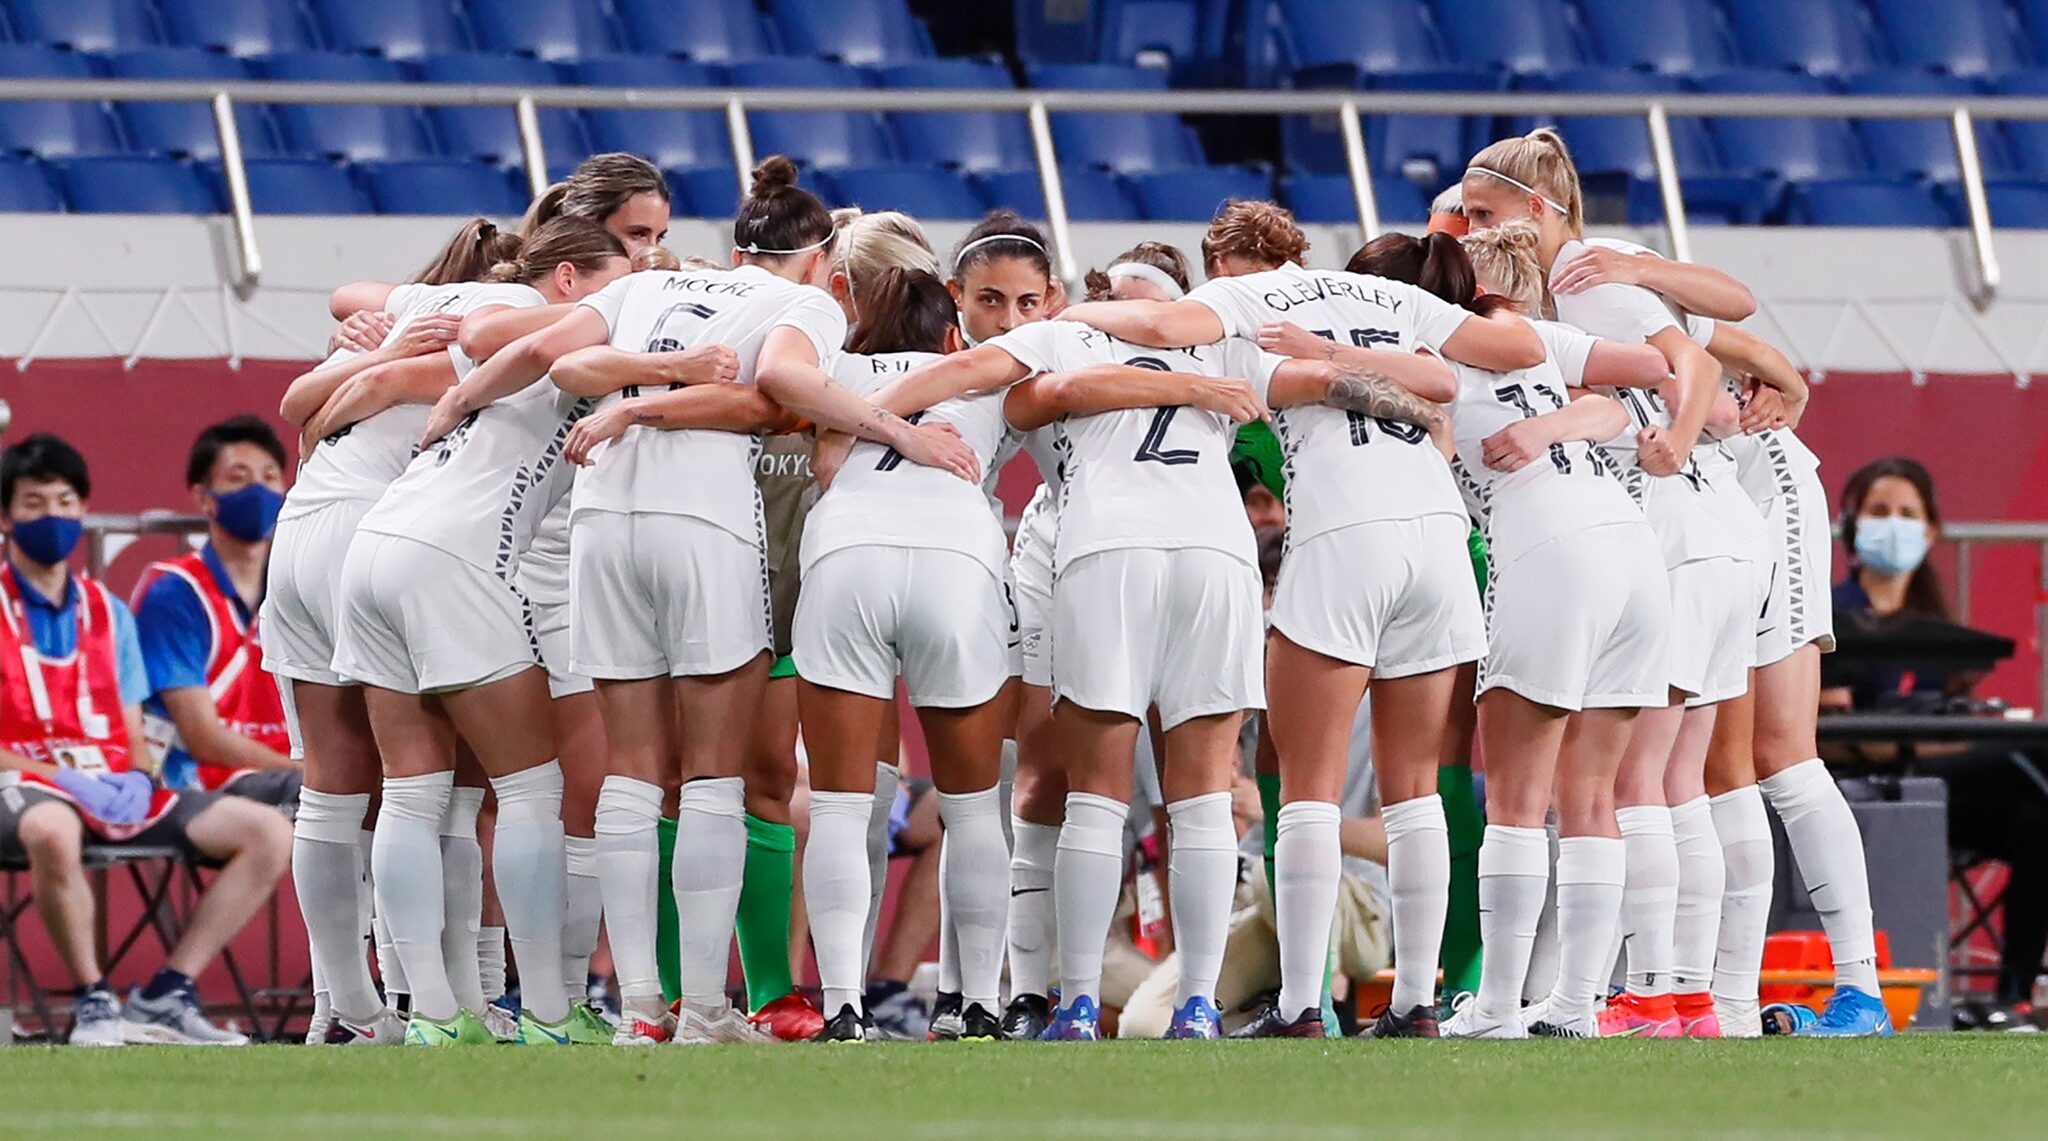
(1620, 144)
(670, 138)
(1958, 37)
(25, 188)
(2033, 17)
(1327, 198)
(52, 129)
(444, 186)
(860, 32)
(1789, 149)
(1195, 195)
(1922, 148)
(85, 25)
(1522, 37)
(2017, 205)
(238, 27)
(544, 29)
(296, 186)
(1821, 37)
(120, 184)
(1676, 37)
(1092, 195)
(2027, 140)
(704, 191)
(969, 140)
(1051, 31)
(817, 138)
(186, 129)
(337, 131)
(924, 191)
(492, 133)
(1866, 202)
(1132, 30)
(396, 29)
(1336, 43)
(1429, 148)
(1123, 143)
(708, 31)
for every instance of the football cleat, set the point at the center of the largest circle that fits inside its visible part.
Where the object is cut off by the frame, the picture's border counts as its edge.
(1738, 1019)
(978, 1025)
(1026, 1018)
(1850, 1013)
(791, 1018)
(901, 1017)
(386, 1029)
(1270, 1023)
(849, 1025)
(502, 1022)
(709, 1025)
(318, 1022)
(1419, 1022)
(1466, 1022)
(173, 1019)
(1542, 1022)
(589, 1026)
(534, 1032)
(1784, 1018)
(1640, 1016)
(1696, 1015)
(465, 1029)
(644, 1030)
(946, 1023)
(97, 1020)
(1198, 1019)
(1080, 1021)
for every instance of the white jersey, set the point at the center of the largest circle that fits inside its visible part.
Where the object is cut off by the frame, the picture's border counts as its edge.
(879, 498)
(1343, 467)
(361, 460)
(1144, 477)
(1570, 489)
(701, 473)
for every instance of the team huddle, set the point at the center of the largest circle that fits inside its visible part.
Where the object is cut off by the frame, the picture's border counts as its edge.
(527, 552)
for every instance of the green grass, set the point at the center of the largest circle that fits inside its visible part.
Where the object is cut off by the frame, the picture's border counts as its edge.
(1928, 1085)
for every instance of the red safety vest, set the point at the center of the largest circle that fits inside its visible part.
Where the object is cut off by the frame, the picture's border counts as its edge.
(245, 695)
(67, 711)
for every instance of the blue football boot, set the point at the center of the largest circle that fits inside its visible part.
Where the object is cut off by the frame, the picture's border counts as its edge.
(1197, 1018)
(1850, 1013)
(1080, 1022)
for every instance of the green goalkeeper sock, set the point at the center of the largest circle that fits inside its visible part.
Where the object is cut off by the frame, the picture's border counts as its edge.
(668, 929)
(763, 921)
(1467, 826)
(1269, 808)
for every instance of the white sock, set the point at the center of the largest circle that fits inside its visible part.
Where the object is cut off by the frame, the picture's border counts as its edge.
(366, 904)
(1514, 873)
(976, 885)
(1589, 887)
(1829, 849)
(490, 962)
(1031, 909)
(462, 896)
(1542, 976)
(327, 872)
(836, 893)
(1202, 877)
(1306, 864)
(1419, 881)
(886, 781)
(1649, 896)
(1087, 876)
(949, 940)
(389, 968)
(1702, 876)
(406, 863)
(710, 862)
(1751, 859)
(582, 913)
(628, 872)
(527, 857)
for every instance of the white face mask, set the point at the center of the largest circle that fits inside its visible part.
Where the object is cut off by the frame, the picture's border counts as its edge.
(960, 319)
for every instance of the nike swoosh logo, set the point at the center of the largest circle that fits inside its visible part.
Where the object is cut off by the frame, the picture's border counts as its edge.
(1017, 891)
(557, 1039)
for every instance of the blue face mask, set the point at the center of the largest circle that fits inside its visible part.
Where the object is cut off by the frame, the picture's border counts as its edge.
(1891, 544)
(249, 513)
(49, 540)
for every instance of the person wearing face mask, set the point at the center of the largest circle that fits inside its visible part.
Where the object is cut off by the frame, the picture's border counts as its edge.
(74, 764)
(214, 714)
(1889, 521)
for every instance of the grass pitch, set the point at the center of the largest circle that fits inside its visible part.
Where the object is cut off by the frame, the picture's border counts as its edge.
(1926, 1085)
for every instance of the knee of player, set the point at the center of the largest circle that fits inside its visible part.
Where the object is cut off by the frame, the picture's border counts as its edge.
(250, 834)
(52, 836)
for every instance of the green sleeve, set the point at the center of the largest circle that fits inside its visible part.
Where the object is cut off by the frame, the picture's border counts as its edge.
(1259, 449)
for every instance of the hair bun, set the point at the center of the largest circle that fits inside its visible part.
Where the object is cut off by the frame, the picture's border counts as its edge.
(776, 172)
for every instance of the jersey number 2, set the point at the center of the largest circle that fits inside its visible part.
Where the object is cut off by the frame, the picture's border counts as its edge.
(1154, 451)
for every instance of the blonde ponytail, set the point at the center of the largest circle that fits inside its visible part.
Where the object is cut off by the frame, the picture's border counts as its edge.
(1505, 259)
(1537, 163)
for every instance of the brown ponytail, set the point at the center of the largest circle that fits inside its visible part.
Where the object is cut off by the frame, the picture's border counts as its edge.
(903, 311)
(597, 189)
(577, 241)
(1259, 232)
(1437, 264)
(778, 217)
(470, 254)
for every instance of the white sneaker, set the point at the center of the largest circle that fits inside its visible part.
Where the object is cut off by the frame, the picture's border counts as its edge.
(708, 1025)
(173, 1020)
(97, 1021)
(502, 1023)
(1541, 1021)
(386, 1029)
(1739, 1019)
(1466, 1022)
(644, 1030)
(322, 1018)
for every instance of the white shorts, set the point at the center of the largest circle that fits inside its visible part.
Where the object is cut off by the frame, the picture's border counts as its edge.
(1031, 580)
(1396, 595)
(939, 618)
(1579, 622)
(655, 595)
(1712, 640)
(416, 619)
(303, 592)
(1800, 605)
(551, 633)
(1179, 629)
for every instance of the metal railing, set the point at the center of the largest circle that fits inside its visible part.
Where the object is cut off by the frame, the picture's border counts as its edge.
(525, 102)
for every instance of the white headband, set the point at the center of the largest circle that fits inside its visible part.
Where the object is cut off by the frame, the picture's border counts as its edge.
(1148, 273)
(751, 248)
(962, 255)
(1519, 185)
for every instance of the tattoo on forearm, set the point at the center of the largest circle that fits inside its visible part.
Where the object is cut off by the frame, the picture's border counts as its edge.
(1375, 394)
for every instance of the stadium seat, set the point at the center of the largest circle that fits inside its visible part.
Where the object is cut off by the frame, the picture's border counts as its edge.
(1820, 37)
(444, 186)
(1054, 31)
(1521, 37)
(1149, 31)
(1676, 37)
(121, 184)
(817, 138)
(186, 129)
(1092, 195)
(1341, 43)
(708, 31)
(1958, 37)
(335, 131)
(25, 188)
(704, 191)
(296, 186)
(670, 138)
(1327, 198)
(1194, 195)
(1620, 144)
(923, 191)
(1866, 202)
(859, 32)
(1123, 142)
(85, 25)
(238, 27)
(1922, 148)
(2026, 139)
(395, 29)
(1788, 149)
(969, 140)
(1430, 148)
(2015, 205)
(53, 129)
(544, 29)
(2033, 18)
(492, 133)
